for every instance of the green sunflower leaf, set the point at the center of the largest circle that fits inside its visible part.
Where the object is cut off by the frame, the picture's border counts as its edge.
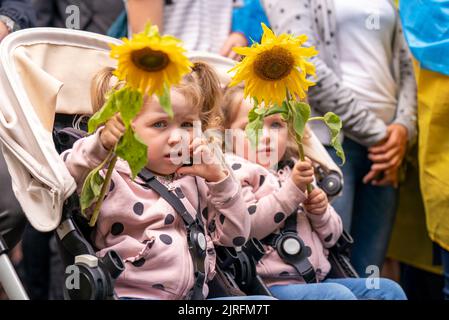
(300, 113)
(133, 150)
(333, 122)
(129, 102)
(165, 102)
(109, 108)
(90, 192)
(283, 109)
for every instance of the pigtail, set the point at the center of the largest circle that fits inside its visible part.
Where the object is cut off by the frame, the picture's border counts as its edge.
(211, 95)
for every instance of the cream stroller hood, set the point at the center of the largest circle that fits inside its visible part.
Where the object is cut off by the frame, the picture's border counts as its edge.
(44, 71)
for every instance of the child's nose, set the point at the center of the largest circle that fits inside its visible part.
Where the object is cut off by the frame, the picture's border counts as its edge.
(175, 137)
(266, 132)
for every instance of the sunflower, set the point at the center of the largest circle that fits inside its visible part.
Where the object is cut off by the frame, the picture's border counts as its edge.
(149, 61)
(274, 67)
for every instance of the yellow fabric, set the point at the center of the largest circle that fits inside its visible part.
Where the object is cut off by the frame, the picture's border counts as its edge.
(410, 242)
(433, 122)
(423, 213)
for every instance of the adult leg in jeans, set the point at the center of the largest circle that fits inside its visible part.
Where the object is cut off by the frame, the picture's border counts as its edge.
(374, 214)
(445, 261)
(312, 291)
(363, 289)
(373, 209)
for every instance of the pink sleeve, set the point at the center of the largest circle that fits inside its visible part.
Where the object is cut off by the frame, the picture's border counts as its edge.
(328, 226)
(227, 213)
(86, 154)
(270, 211)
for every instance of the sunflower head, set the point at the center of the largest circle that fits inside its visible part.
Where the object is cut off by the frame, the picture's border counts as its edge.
(274, 67)
(150, 62)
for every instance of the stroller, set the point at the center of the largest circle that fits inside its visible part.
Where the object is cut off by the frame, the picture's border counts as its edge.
(45, 79)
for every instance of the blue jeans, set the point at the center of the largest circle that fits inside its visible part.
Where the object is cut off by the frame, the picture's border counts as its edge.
(445, 261)
(340, 289)
(367, 211)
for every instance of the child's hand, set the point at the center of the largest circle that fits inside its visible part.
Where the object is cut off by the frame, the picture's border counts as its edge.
(302, 174)
(316, 202)
(112, 132)
(209, 166)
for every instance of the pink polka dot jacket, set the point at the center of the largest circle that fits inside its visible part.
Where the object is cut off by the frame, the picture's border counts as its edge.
(147, 232)
(271, 196)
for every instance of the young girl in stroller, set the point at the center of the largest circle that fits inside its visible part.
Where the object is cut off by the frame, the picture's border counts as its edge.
(277, 197)
(136, 221)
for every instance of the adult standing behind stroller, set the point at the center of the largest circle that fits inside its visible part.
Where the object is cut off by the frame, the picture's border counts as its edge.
(14, 15)
(94, 15)
(364, 75)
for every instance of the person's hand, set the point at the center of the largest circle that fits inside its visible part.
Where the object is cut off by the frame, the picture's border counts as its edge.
(3, 30)
(235, 39)
(388, 155)
(316, 202)
(112, 132)
(302, 174)
(205, 162)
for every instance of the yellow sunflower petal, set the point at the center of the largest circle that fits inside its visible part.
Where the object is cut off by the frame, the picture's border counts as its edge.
(274, 67)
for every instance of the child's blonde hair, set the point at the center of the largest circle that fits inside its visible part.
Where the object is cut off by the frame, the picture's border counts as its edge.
(232, 100)
(201, 87)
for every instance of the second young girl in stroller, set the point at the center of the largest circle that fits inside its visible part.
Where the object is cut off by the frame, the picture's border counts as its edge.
(143, 228)
(273, 196)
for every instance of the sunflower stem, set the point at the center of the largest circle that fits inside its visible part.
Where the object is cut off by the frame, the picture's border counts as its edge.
(297, 137)
(107, 179)
(316, 118)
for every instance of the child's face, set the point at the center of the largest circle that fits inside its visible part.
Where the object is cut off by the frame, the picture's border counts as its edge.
(161, 133)
(273, 142)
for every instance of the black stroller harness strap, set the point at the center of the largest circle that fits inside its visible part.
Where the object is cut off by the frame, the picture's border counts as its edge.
(195, 232)
(291, 249)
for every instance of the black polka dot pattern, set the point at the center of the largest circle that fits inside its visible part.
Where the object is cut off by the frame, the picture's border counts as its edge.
(165, 238)
(111, 186)
(238, 241)
(278, 217)
(179, 193)
(236, 166)
(159, 286)
(117, 228)
(139, 263)
(138, 208)
(252, 209)
(328, 238)
(212, 226)
(205, 213)
(261, 180)
(169, 219)
(222, 218)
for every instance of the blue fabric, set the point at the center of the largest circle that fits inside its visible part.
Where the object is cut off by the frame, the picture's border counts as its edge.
(340, 289)
(119, 28)
(426, 28)
(21, 11)
(247, 20)
(445, 260)
(367, 211)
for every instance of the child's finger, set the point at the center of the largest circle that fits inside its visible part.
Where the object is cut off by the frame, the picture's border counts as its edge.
(306, 173)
